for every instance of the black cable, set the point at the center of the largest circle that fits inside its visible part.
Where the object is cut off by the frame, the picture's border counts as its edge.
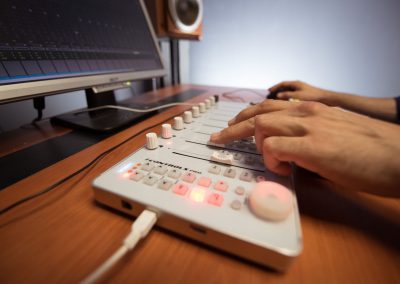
(99, 157)
(39, 104)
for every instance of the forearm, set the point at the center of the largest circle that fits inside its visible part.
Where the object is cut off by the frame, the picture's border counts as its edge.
(382, 108)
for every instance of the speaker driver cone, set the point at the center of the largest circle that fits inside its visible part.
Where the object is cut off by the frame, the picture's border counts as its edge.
(186, 14)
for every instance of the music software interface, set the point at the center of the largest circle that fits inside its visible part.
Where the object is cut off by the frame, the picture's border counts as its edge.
(50, 39)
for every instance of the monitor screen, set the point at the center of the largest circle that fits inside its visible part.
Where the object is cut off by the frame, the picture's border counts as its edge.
(51, 46)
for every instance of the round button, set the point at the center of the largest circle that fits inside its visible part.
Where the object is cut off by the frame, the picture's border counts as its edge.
(236, 204)
(240, 190)
(270, 200)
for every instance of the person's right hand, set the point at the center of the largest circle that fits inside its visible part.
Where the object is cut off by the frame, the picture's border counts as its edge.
(351, 150)
(301, 91)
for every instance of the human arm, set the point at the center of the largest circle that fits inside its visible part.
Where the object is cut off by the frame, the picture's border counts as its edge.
(353, 151)
(382, 108)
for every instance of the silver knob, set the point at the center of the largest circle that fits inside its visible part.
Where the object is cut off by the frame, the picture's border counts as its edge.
(178, 123)
(187, 117)
(166, 131)
(151, 141)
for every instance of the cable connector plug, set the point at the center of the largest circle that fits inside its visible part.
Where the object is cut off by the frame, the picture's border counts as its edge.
(140, 228)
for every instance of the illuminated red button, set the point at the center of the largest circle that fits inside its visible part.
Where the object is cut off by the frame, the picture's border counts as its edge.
(180, 189)
(189, 177)
(197, 194)
(204, 181)
(215, 199)
(221, 186)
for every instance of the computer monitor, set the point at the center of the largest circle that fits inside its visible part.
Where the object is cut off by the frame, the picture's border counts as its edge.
(54, 46)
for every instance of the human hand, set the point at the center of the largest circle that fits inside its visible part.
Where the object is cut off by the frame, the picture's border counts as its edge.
(302, 91)
(351, 150)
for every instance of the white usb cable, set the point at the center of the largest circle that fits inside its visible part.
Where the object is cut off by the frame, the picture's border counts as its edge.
(140, 228)
(139, 110)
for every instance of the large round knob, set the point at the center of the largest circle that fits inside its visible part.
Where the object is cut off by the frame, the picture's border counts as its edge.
(151, 141)
(202, 107)
(178, 123)
(195, 111)
(166, 131)
(270, 200)
(187, 117)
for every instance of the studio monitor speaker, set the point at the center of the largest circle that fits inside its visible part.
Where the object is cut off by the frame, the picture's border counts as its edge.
(179, 19)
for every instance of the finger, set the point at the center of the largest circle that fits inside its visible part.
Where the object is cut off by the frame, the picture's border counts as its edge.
(266, 106)
(280, 123)
(288, 149)
(285, 85)
(272, 161)
(289, 95)
(276, 166)
(237, 131)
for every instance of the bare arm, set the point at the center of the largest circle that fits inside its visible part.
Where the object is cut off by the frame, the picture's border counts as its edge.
(381, 108)
(353, 151)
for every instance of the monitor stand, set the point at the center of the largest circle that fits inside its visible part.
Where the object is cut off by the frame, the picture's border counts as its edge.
(101, 120)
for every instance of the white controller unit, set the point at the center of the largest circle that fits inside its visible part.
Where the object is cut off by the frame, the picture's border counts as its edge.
(219, 195)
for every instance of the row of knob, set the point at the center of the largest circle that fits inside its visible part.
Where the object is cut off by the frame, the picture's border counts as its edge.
(166, 129)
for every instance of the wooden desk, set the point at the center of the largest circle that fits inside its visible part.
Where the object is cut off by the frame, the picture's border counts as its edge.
(63, 235)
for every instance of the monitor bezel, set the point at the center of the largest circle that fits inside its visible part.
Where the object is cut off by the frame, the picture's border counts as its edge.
(25, 90)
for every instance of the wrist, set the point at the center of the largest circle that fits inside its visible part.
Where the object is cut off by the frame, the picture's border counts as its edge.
(331, 98)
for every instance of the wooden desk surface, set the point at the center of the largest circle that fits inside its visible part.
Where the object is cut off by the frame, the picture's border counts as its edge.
(64, 235)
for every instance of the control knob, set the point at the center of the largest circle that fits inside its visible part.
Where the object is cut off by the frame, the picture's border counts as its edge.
(202, 107)
(178, 123)
(208, 103)
(195, 111)
(151, 141)
(166, 131)
(270, 200)
(187, 117)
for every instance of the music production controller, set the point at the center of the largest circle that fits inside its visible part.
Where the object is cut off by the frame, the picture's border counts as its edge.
(219, 195)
